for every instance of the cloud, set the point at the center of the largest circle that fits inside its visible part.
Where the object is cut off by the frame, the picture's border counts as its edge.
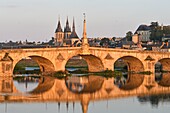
(9, 6)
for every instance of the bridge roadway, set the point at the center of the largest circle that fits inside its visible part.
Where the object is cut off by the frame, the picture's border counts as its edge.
(92, 88)
(98, 59)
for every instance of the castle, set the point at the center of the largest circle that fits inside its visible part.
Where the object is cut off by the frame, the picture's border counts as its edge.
(68, 37)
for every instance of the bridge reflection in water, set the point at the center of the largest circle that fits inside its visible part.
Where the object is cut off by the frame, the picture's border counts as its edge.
(86, 89)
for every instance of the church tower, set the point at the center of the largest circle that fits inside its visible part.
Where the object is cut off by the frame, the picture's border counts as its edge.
(59, 35)
(67, 33)
(67, 30)
(73, 36)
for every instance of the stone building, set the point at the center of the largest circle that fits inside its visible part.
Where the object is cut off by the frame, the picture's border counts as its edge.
(68, 37)
(59, 35)
(144, 31)
(136, 38)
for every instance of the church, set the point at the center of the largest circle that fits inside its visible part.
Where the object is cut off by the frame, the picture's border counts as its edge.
(68, 37)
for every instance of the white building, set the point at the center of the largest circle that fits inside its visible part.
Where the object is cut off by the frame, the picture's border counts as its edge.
(145, 32)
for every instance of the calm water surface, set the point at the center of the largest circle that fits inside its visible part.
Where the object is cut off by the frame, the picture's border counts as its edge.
(80, 95)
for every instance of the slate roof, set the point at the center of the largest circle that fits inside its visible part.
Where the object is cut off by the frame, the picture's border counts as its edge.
(73, 33)
(143, 28)
(59, 29)
(67, 28)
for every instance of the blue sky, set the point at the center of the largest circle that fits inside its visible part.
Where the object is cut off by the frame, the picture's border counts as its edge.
(36, 20)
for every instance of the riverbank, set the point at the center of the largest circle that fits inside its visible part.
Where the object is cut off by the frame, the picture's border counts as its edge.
(80, 65)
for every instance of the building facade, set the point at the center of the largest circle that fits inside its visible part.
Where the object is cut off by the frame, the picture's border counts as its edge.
(145, 32)
(68, 37)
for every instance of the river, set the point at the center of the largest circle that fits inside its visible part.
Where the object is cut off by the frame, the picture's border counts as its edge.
(92, 94)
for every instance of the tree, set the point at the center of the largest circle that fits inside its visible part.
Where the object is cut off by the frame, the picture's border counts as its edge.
(52, 41)
(104, 42)
(154, 24)
(113, 38)
(166, 30)
(129, 35)
(156, 31)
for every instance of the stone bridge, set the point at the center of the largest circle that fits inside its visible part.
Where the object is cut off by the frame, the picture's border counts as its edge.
(83, 90)
(98, 59)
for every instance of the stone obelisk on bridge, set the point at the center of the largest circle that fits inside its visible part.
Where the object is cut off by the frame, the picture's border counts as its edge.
(85, 44)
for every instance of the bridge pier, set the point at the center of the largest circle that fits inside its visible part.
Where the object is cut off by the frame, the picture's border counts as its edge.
(149, 66)
(149, 80)
(108, 64)
(6, 66)
(60, 64)
(6, 84)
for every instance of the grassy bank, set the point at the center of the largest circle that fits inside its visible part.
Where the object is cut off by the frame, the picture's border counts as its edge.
(20, 67)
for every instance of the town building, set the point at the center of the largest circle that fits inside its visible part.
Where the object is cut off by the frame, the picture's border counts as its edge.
(145, 32)
(136, 38)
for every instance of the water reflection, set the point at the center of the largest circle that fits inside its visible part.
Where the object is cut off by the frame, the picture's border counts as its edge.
(129, 82)
(154, 100)
(26, 83)
(82, 91)
(163, 79)
(84, 84)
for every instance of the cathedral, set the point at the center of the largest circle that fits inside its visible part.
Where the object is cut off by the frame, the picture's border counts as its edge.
(68, 37)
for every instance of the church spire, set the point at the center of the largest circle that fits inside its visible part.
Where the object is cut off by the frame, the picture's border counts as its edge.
(73, 33)
(73, 25)
(59, 29)
(67, 23)
(67, 28)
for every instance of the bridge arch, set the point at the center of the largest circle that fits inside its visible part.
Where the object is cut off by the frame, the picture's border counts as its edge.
(161, 66)
(45, 84)
(165, 62)
(129, 81)
(134, 81)
(45, 64)
(88, 84)
(94, 63)
(133, 63)
(165, 80)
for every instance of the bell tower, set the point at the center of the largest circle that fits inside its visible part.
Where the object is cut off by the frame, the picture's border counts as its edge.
(59, 35)
(67, 30)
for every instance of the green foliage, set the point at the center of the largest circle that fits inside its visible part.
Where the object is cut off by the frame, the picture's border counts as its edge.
(80, 71)
(157, 31)
(58, 74)
(108, 74)
(145, 73)
(166, 30)
(129, 36)
(105, 42)
(20, 67)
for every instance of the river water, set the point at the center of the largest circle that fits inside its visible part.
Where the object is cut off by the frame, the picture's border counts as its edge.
(92, 94)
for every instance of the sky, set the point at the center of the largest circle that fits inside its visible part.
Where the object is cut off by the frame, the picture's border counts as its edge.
(36, 20)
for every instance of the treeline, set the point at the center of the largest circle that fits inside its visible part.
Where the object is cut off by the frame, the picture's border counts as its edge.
(158, 31)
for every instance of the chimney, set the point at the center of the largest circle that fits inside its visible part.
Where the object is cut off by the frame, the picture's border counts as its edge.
(167, 44)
